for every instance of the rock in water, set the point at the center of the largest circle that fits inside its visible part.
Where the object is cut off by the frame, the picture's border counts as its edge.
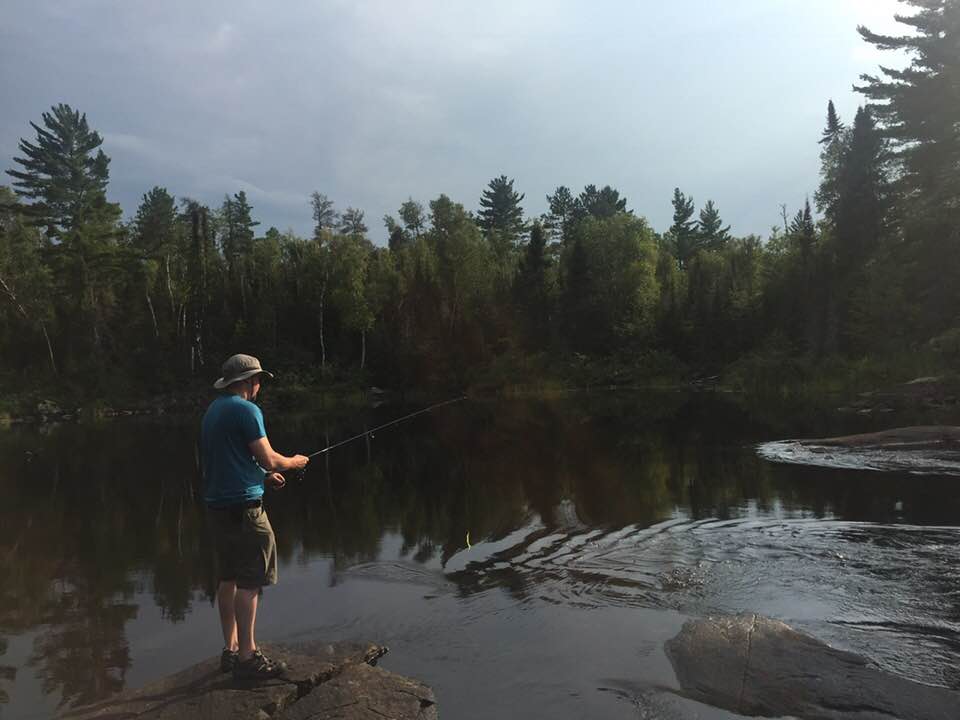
(365, 693)
(202, 691)
(753, 665)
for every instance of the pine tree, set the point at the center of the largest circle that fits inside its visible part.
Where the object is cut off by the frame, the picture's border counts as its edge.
(155, 222)
(602, 203)
(562, 209)
(709, 230)
(500, 209)
(530, 286)
(918, 108)
(683, 231)
(62, 176)
(324, 216)
(351, 223)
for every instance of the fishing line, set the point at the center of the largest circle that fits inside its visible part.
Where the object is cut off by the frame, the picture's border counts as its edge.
(381, 427)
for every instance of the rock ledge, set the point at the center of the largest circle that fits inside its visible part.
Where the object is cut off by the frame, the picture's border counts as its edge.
(325, 681)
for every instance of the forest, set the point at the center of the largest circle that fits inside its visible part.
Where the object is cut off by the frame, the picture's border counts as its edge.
(863, 278)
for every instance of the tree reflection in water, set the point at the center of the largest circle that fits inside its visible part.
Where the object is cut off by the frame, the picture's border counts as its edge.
(96, 515)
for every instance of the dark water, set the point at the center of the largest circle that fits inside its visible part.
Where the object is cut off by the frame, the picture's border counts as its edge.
(596, 526)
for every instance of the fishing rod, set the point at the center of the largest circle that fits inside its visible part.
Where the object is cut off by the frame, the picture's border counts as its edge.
(381, 427)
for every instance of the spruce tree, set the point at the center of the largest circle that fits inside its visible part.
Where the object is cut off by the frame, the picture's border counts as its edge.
(803, 231)
(833, 128)
(834, 140)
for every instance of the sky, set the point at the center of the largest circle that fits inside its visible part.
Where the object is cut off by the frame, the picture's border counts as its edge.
(374, 101)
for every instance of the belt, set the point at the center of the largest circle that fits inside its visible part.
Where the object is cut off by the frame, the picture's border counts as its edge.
(238, 506)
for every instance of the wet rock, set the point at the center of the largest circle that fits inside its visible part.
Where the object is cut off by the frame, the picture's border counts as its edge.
(356, 690)
(753, 665)
(921, 437)
(921, 450)
(931, 392)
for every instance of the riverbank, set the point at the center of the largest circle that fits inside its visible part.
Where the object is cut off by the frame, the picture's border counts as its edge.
(870, 386)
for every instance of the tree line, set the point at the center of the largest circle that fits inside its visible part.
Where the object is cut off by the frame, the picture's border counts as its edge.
(164, 296)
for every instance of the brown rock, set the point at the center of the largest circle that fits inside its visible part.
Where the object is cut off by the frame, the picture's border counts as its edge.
(362, 692)
(202, 691)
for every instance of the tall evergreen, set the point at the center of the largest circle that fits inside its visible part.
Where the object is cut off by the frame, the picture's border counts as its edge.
(858, 215)
(684, 230)
(803, 230)
(918, 108)
(563, 207)
(710, 232)
(833, 128)
(834, 140)
(918, 111)
(351, 223)
(324, 215)
(62, 177)
(603, 203)
(500, 209)
(531, 291)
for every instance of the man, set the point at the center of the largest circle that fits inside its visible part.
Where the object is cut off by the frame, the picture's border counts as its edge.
(238, 461)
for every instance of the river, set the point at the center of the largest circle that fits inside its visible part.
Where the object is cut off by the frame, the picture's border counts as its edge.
(525, 558)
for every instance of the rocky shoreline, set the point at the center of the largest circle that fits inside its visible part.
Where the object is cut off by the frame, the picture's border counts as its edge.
(338, 680)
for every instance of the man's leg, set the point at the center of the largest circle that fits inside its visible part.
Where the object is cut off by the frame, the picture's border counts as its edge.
(245, 605)
(226, 597)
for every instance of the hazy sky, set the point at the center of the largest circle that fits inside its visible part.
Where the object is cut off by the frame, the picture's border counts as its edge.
(372, 102)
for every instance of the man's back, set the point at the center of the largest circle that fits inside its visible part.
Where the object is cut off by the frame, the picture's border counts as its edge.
(230, 473)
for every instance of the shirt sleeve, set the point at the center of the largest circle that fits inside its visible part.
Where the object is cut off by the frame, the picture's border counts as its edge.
(251, 424)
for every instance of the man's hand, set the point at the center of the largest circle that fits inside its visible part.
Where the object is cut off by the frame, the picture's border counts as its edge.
(300, 462)
(275, 480)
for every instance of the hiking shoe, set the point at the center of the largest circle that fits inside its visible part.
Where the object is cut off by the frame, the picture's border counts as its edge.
(229, 660)
(258, 667)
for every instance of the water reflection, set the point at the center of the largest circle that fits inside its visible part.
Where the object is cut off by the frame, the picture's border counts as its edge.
(590, 501)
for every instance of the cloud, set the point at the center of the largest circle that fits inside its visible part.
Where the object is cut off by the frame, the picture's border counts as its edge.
(376, 101)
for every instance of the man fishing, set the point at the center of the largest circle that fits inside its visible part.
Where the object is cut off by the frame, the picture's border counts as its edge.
(238, 462)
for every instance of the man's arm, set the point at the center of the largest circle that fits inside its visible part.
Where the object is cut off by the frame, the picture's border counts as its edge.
(270, 459)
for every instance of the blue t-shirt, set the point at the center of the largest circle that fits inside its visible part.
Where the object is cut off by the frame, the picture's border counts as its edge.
(230, 472)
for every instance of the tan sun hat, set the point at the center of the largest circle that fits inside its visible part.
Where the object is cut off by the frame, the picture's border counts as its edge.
(239, 367)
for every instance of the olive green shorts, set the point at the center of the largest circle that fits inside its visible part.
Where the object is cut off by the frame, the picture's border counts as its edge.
(245, 545)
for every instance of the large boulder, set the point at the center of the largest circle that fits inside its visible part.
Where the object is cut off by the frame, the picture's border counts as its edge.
(203, 692)
(753, 665)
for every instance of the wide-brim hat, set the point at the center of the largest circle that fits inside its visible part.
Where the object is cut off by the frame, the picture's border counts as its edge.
(239, 367)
